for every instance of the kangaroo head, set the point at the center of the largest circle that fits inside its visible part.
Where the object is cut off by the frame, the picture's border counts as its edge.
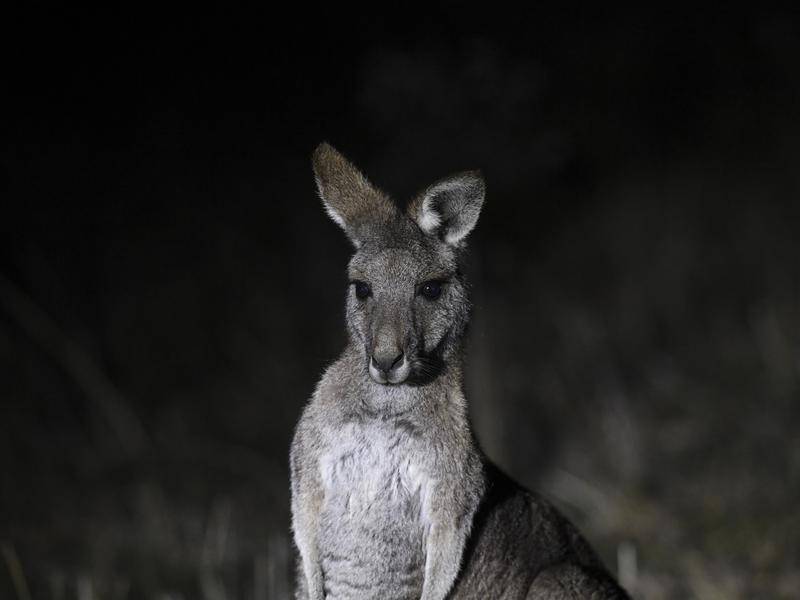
(407, 304)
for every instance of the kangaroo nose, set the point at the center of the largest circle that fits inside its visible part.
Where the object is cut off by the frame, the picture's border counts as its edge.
(386, 361)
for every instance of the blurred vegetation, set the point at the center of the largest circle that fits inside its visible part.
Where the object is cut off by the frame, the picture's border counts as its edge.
(171, 290)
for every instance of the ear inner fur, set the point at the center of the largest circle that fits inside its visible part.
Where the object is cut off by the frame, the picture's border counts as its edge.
(449, 208)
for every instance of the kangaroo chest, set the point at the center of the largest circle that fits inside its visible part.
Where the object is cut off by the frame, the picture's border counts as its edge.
(373, 524)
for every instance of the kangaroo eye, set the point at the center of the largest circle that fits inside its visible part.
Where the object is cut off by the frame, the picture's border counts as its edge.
(431, 290)
(363, 291)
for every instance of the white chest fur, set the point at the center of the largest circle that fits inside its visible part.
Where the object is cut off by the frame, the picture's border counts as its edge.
(375, 468)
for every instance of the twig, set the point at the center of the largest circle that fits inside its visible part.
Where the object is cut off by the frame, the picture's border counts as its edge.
(15, 571)
(627, 565)
(581, 494)
(77, 364)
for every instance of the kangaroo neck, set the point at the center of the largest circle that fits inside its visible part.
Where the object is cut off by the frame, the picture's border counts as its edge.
(382, 400)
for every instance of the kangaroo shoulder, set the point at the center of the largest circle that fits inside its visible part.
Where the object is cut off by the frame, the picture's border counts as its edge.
(339, 382)
(328, 408)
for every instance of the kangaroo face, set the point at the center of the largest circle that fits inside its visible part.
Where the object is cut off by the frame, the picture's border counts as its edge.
(406, 302)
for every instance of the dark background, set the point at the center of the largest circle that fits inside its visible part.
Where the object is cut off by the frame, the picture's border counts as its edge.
(171, 289)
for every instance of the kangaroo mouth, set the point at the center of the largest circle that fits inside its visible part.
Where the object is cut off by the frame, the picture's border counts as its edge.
(417, 368)
(419, 371)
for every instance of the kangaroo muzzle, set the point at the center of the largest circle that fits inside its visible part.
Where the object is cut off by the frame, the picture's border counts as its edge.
(388, 362)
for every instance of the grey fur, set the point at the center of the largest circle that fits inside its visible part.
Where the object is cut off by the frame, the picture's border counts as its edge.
(350, 200)
(391, 496)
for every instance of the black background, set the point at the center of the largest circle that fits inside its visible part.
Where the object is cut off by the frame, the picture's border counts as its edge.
(171, 289)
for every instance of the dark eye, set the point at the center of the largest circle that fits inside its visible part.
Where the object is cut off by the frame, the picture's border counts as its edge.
(363, 291)
(431, 290)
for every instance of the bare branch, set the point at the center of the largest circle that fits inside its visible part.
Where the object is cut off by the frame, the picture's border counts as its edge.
(76, 363)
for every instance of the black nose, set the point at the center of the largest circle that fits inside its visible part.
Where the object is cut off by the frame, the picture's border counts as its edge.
(386, 362)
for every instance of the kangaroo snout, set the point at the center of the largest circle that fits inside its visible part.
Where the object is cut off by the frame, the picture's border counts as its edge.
(388, 364)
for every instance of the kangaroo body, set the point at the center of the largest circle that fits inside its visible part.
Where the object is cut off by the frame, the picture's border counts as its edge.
(391, 496)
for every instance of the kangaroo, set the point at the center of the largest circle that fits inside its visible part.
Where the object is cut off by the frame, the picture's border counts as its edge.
(392, 497)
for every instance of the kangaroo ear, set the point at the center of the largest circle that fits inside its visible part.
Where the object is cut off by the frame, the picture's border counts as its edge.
(450, 207)
(350, 200)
